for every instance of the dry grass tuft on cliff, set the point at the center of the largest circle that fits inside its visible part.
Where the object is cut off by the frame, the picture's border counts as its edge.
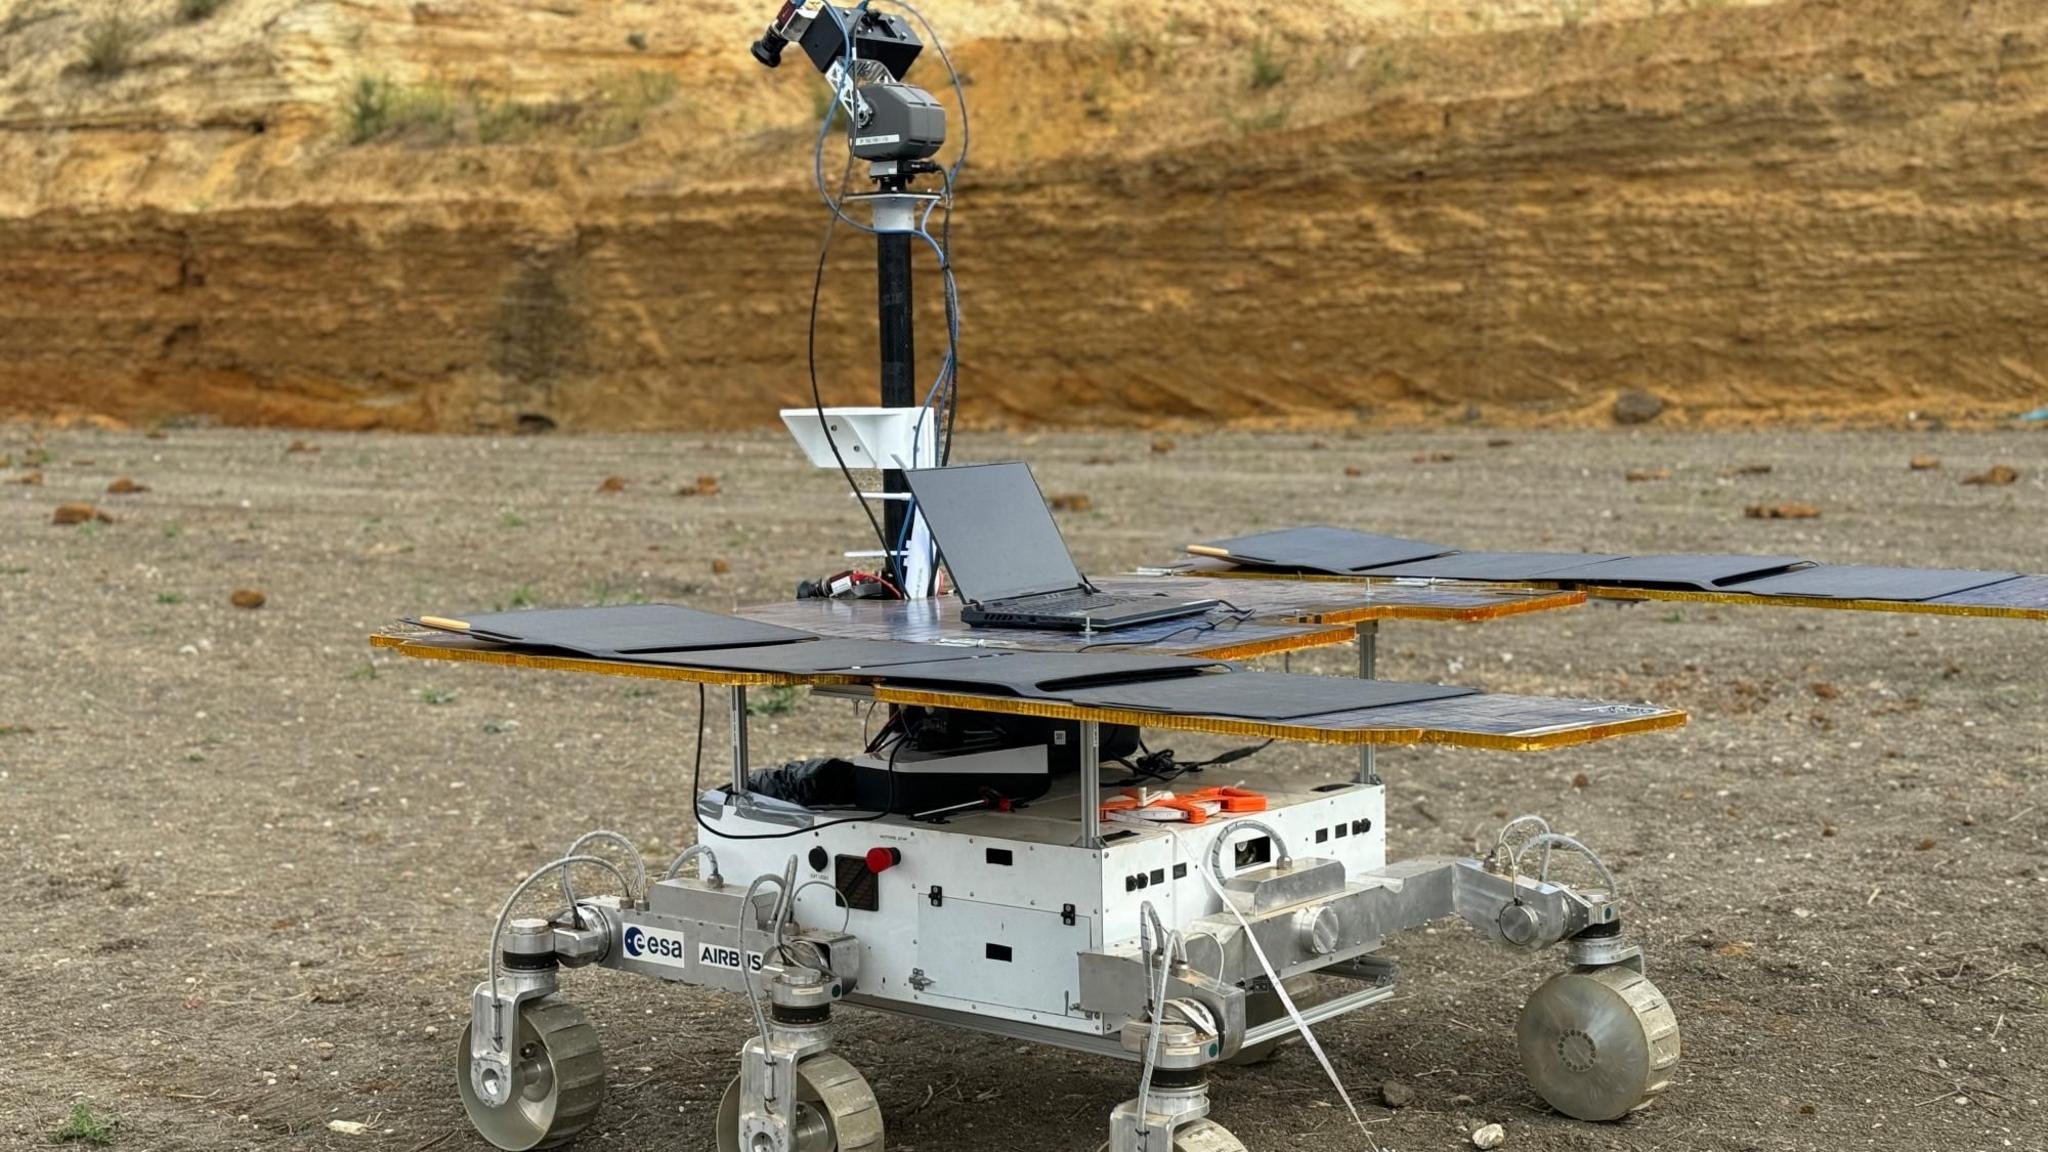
(610, 111)
(110, 43)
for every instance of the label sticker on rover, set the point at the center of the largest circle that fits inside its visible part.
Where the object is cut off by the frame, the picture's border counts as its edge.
(719, 956)
(654, 946)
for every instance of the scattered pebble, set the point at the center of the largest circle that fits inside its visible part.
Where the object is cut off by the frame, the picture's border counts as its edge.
(1791, 511)
(1490, 1136)
(1926, 845)
(348, 1127)
(1581, 780)
(1396, 1094)
(1637, 407)
(1825, 690)
(78, 514)
(1997, 476)
(248, 598)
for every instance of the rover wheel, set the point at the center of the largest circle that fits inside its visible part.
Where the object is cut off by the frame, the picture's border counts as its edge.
(557, 1079)
(1598, 1044)
(1206, 1136)
(836, 1111)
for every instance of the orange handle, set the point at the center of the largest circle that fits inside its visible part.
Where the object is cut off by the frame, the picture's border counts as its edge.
(1232, 799)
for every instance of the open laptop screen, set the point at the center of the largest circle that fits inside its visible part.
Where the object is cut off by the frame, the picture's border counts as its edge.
(991, 525)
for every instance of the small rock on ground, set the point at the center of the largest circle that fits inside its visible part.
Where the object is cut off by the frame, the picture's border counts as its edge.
(1637, 407)
(78, 514)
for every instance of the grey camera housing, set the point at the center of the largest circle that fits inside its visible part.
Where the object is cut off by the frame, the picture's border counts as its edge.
(904, 123)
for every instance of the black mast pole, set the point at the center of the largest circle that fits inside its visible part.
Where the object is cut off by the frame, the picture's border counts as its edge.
(899, 374)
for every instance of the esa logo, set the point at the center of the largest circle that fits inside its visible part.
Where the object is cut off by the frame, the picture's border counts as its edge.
(719, 956)
(655, 946)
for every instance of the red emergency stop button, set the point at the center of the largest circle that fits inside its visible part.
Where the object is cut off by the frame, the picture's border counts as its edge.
(880, 860)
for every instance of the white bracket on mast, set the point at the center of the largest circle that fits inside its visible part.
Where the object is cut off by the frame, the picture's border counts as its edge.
(876, 438)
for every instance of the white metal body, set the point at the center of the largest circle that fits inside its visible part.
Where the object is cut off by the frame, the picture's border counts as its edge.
(995, 946)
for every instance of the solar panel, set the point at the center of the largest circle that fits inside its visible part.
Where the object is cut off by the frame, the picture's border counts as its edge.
(625, 629)
(1707, 572)
(816, 657)
(1493, 565)
(1320, 548)
(1048, 674)
(1866, 582)
(1262, 695)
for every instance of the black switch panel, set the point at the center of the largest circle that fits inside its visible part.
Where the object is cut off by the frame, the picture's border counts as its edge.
(858, 887)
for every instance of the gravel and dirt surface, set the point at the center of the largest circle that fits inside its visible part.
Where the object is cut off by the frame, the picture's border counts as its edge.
(250, 865)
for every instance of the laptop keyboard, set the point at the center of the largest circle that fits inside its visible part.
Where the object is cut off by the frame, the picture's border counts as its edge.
(1082, 604)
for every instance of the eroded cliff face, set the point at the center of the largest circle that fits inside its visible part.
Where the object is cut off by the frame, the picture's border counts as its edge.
(450, 214)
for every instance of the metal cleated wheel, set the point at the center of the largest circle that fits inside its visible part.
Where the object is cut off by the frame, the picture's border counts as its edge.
(836, 1111)
(1206, 1136)
(558, 1079)
(1598, 1043)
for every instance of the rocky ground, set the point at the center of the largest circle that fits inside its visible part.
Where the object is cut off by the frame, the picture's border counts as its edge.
(250, 864)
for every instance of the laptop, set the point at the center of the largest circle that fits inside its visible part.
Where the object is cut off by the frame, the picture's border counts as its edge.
(1009, 563)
